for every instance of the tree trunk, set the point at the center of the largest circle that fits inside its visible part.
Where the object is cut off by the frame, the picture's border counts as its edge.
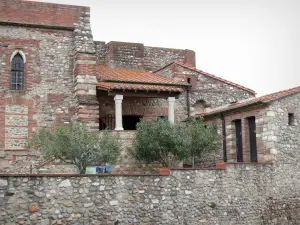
(82, 170)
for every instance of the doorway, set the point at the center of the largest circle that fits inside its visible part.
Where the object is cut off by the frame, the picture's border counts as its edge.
(252, 139)
(239, 140)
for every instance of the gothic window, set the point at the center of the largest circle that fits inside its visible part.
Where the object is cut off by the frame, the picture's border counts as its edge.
(17, 73)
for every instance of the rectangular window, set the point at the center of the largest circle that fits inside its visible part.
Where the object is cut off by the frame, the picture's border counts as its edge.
(291, 120)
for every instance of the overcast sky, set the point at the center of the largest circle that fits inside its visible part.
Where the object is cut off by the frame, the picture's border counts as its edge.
(255, 43)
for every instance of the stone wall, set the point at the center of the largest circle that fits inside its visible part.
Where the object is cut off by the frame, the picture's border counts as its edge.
(137, 56)
(59, 56)
(275, 139)
(242, 194)
(46, 99)
(209, 90)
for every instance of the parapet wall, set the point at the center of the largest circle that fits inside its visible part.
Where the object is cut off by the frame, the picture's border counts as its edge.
(137, 56)
(241, 194)
(38, 13)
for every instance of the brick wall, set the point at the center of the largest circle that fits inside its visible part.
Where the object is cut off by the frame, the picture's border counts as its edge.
(28, 12)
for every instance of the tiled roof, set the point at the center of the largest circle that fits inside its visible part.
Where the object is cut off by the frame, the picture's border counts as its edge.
(128, 79)
(209, 75)
(137, 87)
(104, 73)
(262, 99)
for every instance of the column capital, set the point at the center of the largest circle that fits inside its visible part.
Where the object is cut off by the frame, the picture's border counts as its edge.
(118, 97)
(171, 99)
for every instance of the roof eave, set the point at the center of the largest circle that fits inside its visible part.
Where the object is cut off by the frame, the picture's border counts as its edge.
(219, 113)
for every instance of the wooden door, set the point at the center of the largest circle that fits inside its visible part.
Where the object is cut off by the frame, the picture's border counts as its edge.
(239, 140)
(252, 139)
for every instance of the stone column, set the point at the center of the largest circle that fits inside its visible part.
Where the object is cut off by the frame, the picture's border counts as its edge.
(171, 109)
(118, 112)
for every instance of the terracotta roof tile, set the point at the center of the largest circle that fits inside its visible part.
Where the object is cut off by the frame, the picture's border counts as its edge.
(209, 75)
(125, 79)
(137, 87)
(262, 99)
(104, 73)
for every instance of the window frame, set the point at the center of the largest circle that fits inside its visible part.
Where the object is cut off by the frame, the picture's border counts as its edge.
(17, 72)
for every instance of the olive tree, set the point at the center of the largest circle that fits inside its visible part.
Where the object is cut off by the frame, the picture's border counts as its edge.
(166, 143)
(75, 145)
(158, 141)
(200, 138)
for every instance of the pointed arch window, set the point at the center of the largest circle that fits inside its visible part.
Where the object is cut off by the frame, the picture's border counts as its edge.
(17, 73)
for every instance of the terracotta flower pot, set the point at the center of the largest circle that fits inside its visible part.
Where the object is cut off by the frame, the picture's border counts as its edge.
(164, 171)
(221, 165)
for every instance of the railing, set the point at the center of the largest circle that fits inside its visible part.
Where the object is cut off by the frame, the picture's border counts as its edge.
(107, 122)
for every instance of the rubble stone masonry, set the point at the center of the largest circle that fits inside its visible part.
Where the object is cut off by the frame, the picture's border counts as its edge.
(241, 194)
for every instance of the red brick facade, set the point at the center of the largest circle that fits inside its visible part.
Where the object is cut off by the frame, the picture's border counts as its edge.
(27, 12)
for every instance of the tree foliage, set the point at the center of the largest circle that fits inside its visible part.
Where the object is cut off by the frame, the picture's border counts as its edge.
(77, 146)
(166, 143)
(200, 138)
(158, 141)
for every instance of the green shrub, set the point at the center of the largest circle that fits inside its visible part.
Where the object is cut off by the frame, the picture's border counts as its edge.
(158, 141)
(166, 143)
(77, 146)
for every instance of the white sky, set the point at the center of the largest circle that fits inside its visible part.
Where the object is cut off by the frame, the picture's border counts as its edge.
(255, 43)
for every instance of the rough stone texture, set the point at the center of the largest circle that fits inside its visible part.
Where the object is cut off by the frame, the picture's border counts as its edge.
(49, 70)
(241, 194)
(100, 47)
(18, 163)
(205, 90)
(137, 56)
(126, 164)
(275, 139)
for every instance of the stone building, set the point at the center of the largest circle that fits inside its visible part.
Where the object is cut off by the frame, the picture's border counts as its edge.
(263, 129)
(52, 72)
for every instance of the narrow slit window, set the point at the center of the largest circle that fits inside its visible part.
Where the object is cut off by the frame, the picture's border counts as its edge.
(291, 120)
(17, 73)
(189, 80)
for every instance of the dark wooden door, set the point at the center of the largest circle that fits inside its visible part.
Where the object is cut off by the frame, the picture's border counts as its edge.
(239, 140)
(252, 139)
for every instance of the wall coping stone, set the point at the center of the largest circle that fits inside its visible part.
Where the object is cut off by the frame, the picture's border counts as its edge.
(252, 163)
(196, 169)
(82, 175)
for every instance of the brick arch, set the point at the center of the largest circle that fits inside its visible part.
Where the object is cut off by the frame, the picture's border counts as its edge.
(18, 52)
(199, 106)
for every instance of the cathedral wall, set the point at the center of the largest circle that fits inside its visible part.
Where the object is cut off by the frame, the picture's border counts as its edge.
(47, 97)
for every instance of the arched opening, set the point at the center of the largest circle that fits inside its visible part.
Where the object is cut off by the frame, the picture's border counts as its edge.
(17, 73)
(199, 107)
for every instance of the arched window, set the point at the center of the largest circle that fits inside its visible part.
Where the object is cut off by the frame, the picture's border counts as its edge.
(17, 73)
